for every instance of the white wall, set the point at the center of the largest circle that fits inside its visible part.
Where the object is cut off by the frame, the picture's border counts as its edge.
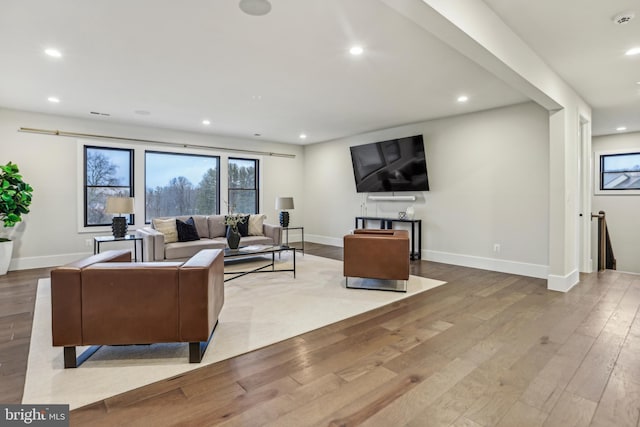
(472, 28)
(622, 211)
(49, 234)
(489, 183)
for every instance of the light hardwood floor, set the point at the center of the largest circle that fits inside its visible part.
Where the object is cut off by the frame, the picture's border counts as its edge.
(487, 349)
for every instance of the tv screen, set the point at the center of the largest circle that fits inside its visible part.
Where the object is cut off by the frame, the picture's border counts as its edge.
(394, 165)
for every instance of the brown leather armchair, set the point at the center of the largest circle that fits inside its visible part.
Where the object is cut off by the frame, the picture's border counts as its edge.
(377, 254)
(108, 300)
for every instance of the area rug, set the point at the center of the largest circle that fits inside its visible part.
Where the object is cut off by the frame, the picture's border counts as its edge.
(259, 310)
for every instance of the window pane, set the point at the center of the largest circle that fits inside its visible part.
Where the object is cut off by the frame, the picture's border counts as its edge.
(243, 201)
(108, 172)
(108, 167)
(242, 174)
(180, 184)
(621, 162)
(97, 200)
(621, 171)
(243, 185)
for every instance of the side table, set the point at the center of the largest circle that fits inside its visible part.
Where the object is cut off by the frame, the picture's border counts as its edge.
(286, 229)
(97, 240)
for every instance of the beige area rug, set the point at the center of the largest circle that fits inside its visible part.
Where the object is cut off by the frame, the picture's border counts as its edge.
(259, 309)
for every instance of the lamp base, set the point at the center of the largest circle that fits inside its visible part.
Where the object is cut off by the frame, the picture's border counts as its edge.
(284, 218)
(119, 227)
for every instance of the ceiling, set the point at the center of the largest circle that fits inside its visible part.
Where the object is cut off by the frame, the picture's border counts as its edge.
(581, 42)
(173, 64)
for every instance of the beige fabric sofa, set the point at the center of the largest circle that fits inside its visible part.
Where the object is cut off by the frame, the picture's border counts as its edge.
(212, 232)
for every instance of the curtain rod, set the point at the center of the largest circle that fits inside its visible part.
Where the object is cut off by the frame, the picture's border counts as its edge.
(152, 141)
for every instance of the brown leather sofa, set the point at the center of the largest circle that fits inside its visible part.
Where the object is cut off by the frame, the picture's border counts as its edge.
(377, 254)
(108, 300)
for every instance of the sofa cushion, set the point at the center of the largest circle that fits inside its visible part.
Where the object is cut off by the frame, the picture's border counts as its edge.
(200, 222)
(187, 230)
(255, 224)
(168, 228)
(217, 228)
(181, 250)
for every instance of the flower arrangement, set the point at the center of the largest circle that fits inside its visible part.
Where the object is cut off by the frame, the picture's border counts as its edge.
(233, 219)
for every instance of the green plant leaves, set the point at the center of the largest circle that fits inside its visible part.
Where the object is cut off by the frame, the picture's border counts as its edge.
(15, 195)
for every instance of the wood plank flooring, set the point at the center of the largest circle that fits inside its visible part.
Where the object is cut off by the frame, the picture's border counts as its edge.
(487, 349)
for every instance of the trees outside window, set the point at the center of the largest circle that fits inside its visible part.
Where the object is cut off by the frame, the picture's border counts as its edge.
(243, 185)
(108, 172)
(181, 184)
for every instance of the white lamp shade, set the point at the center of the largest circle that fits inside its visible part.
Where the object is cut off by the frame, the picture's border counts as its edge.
(283, 203)
(119, 205)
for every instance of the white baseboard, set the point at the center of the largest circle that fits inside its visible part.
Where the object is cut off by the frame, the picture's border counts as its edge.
(324, 240)
(563, 283)
(46, 261)
(504, 266)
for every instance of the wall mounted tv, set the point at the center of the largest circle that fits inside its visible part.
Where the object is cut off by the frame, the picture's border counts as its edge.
(393, 165)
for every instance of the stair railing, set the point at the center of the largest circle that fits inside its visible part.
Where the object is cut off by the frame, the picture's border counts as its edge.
(606, 258)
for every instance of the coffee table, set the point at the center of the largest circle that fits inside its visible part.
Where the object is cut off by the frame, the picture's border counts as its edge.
(258, 250)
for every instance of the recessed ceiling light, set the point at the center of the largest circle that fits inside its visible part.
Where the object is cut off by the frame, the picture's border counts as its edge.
(53, 52)
(303, 136)
(621, 128)
(463, 98)
(53, 99)
(633, 51)
(206, 122)
(356, 50)
(255, 7)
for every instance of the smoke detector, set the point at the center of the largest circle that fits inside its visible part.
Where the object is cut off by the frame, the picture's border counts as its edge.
(623, 17)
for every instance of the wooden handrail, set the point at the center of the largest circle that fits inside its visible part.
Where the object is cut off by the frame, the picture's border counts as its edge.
(606, 259)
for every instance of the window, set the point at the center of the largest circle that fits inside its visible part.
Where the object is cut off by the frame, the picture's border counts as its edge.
(107, 172)
(243, 185)
(181, 184)
(619, 173)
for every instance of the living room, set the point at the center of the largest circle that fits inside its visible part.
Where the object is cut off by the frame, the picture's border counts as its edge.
(505, 180)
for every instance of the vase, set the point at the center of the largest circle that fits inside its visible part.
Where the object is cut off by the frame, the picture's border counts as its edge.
(6, 248)
(233, 238)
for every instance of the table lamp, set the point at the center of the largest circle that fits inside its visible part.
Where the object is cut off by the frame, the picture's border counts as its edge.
(282, 204)
(119, 206)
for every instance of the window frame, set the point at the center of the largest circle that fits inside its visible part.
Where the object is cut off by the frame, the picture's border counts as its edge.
(598, 163)
(256, 183)
(176, 153)
(85, 186)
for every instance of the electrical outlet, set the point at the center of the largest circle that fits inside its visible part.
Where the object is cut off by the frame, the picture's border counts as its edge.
(496, 247)
(88, 243)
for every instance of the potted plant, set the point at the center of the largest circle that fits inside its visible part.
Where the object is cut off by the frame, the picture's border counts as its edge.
(231, 221)
(15, 198)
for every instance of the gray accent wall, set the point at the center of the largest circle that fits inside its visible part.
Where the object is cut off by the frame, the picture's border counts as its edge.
(489, 179)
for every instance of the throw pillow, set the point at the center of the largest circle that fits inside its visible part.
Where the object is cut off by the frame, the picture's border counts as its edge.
(255, 224)
(168, 228)
(187, 231)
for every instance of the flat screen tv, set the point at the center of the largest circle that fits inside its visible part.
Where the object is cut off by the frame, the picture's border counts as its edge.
(393, 165)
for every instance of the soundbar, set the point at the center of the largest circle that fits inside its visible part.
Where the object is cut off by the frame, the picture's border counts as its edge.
(393, 198)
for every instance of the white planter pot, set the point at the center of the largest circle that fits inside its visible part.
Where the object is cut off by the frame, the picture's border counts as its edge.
(6, 249)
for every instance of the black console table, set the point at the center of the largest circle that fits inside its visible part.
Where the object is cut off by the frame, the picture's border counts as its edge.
(387, 224)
